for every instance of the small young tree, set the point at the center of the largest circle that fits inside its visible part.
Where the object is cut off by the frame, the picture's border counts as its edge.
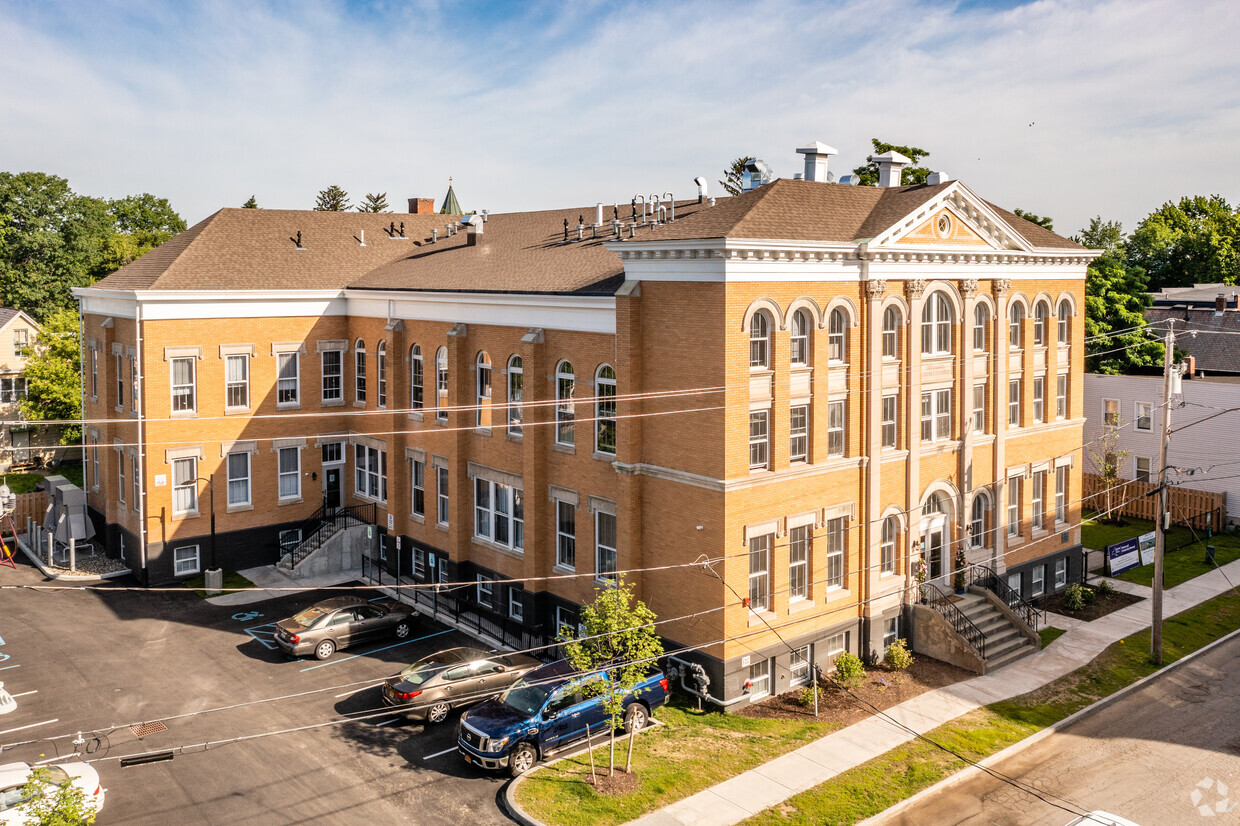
(53, 375)
(55, 804)
(733, 176)
(1107, 457)
(332, 199)
(251, 203)
(375, 202)
(618, 649)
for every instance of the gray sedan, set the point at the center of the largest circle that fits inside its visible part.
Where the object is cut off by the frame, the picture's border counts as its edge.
(457, 677)
(340, 622)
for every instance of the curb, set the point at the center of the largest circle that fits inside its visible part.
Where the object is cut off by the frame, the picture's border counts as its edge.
(70, 577)
(514, 810)
(1037, 736)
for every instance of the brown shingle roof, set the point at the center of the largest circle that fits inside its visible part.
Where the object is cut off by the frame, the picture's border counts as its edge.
(1037, 236)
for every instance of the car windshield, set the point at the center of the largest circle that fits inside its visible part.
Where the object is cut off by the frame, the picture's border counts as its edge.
(428, 667)
(310, 616)
(525, 697)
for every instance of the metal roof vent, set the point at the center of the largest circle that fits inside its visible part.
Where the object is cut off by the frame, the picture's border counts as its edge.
(756, 174)
(816, 155)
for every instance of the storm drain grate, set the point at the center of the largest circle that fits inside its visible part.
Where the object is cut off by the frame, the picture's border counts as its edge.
(143, 729)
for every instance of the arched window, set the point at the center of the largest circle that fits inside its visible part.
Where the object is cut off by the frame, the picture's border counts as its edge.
(1040, 313)
(1065, 322)
(799, 350)
(381, 371)
(565, 387)
(891, 333)
(759, 340)
(934, 504)
(415, 377)
(936, 325)
(605, 410)
(359, 361)
(1016, 326)
(887, 545)
(441, 384)
(977, 522)
(482, 416)
(981, 322)
(837, 323)
(515, 393)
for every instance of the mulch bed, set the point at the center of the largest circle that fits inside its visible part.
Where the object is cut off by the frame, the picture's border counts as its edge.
(618, 784)
(1100, 607)
(838, 706)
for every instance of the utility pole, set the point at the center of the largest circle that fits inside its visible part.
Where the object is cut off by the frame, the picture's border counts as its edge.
(1160, 529)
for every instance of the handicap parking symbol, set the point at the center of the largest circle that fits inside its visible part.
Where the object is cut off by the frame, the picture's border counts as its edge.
(246, 616)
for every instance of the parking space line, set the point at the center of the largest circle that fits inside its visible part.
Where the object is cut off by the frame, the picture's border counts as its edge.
(25, 693)
(32, 725)
(377, 650)
(7, 667)
(354, 691)
(439, 753)
(255, 632)
(386, 722)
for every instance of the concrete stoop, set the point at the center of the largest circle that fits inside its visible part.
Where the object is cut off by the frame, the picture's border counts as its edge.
(1005, 642)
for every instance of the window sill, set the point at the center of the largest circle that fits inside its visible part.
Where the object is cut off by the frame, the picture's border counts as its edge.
(360, 404)
(118, 409)
(796, 606)
(1013, 541)
(332, 403)
(442, 422)
(439, 526)
(891, 454)
(483, 542)
(564, 569)
(604, 582)
(236, 411)
(177, 517)
(514, 437)
(419, 518)
(238, 508)
(932, 448)
(288, 405)
(133, 414)
(482, 431)
(571, 450)
(603, 457)
(179, 414)
(836, 592)
(417, 417)
(763, 617)
(292, 500)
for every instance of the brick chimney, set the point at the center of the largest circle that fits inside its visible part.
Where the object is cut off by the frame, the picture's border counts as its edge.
(421, 206)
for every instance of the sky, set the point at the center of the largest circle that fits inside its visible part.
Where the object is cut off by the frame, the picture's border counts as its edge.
(1064, 109)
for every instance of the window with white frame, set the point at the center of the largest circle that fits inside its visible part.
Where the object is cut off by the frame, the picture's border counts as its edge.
(836, 644)
(981, 323)
(605, 410)
(799, 667)
(759, 341)
(183, 387)
(120, 478)
(238, 478)
(760, 571)
(1037, 499)
(21, 341)
(1110, 412)
(1061, 573)
(889, 429)
(516, 392)
(482, 381)
(979, 408)
(891, 632)
(565, 622)
(1142, 469)
(485, 590)
(332, 453)
(359, 371)
(237, 381)
(565, 534)
(288, 540)
(290, 472)
(837, 335)
(1013, 581)
(94, 464)
(499, 514)
(800, 543)
(370, 472)
(1016, 327)
(565, 389)
(1038, 582)
(120, 381)
(1065, 322)
(759, 451)
(936, 325)
(133, 384)
(184, 485)
(977, 524)
(516, 604)
(604, 545)
(759, 678)
(441, 384)
(1061, 493)
(441, 495)
(94, 374)
(887, 545)
(798, 433)
(419, 563)
(891, 333)
(837, 545)
(1144, 416)
(1039, 399)
(443, 568)
(936, 415)
(1014, 403)
(333, 375)
(185, 560)
(416, 377)
(835, 428)
(1061, 396)
(798, 349)
(417, 474)
(13, 389)
(1013, 506)
(381, 373)
(288, 378)
(1040, 313)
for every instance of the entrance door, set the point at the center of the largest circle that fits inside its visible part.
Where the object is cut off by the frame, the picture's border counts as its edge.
(935, 543)
(331, 488)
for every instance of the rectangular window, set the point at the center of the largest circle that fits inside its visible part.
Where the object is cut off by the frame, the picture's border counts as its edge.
(184, 485)
(238, 479)
(133, 384)
(760, 571)
(1110, 412)
(890, 404)
(288, 378)
(516, 604)
(418, 474)
(979, 408)
(891, 632)
(759, 679)
(290, 472)
(120, 478)
(1143, 469)
(359, 374)
(333, 453)
(419, 563)
(1061, 494)
(836, 644)
(21, 340)
(604, 545)
(1035, 504)
(485, 590)
(1061, 573)
(499, 514)
(237, 381)
(1145, 416)
(185, 561)
(94, 374)
(1013, 506)
(1061, 396)
(120, 382)
(516, 392)
(836, 546)
(289, 540)
(182, 384)
(798, 433)
(564, 622)
(936, 416)
(441, 495)
(370, 472)
(565, 408)
(565, 535)
(94, 465)
(799, 543)
(1013, 581)
(835, 428)
(887, 546)
(799, 667)
(333, 375)
(1014, 403)
(1039, 399)
(758, 448)
(1039, 581)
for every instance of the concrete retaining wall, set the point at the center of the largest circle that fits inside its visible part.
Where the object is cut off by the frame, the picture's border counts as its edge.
(934, 636)
(342, 552)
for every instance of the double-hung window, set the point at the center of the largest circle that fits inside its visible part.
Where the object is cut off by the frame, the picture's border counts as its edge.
(799, 667)
(1061, 493)
(936, 415)
(482, 411)
(499, 514)
(441, 495)
(133, 384)
(120, 381)
(485, 590)
(977, 525)
(1110, 412)
(359, 371)
(1039, 399)
(887, 545)
(441, 384)
(1142, 469)
(290, 472)
(759, 451)
(835, 428)
(185, 560)
(837, 542)
(381, 373)
(416, 375)
(120, 478)
(183, 387)
(1014, 403)
(1061, 396)
(936, 325)
(1039, 581)
(516, 604)
(889, 432)
(238, 479)
(1061, 573)
(798, 434)
(979, 408)
(288, 379)
(94, 374)
(370, 472)
(1144, 417)
(837, 340)
(759, 678)
(759, 341)
(565, 387)
(1016, 327)
(798, 348)
(800, 541)
(1013, 506)
(981, 321)
(1036, 501)
(184, 485)
(760, 572)
(21, 341)
(565, 534)
(516, 391)
(237, 381)
(333, 375)
(604, 545)
(891, 332)
(418, 475)
(605, 411)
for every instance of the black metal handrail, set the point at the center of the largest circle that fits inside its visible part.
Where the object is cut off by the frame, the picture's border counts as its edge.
(324, 523)
(984, 577)
(963, 626)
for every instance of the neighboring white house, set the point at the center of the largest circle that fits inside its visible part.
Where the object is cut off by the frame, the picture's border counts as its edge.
(1204, 456)
(19, 443)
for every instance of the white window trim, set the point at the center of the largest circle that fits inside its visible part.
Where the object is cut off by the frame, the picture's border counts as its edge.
(196, 560)
(338, 399)
(296, 379)
(295, 473)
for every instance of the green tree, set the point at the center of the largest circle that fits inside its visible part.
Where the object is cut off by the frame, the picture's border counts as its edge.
(1107, 457)
(332, 199)
(1115, 326)
(375, 202)
(142, 223)
(1040, 220)
(1102, 235)
(53, 375)
(619, 648)
(251, 203)
(1196, 241)
(55, 804)
(732, 182)
(913, 174)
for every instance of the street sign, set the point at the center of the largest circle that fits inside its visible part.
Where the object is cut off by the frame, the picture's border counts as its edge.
(1123, 555)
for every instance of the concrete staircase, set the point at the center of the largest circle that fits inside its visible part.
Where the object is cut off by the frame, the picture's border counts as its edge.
(1005, 641)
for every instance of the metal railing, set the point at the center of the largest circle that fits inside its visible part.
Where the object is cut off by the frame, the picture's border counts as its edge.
(323, 524)
(963, 626)
(984, 577)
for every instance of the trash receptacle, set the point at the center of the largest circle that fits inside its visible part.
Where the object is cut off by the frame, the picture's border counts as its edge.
(1210, 554)
(214, 581)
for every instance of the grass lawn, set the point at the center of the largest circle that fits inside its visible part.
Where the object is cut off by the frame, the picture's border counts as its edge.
(870, 788)
(1049, 634)
(22, 482)
(71, 471)
(692, 751)
(1185, 557)
(232, 579)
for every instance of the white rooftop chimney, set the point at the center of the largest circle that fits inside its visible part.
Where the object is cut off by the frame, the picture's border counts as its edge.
(816, 156)
(891, 167)
(936, 178)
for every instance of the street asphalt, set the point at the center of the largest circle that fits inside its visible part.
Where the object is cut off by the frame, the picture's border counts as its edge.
(97, 661)
(1169, 753)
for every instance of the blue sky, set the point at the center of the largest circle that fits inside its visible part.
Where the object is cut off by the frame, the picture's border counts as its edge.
(1069, 109)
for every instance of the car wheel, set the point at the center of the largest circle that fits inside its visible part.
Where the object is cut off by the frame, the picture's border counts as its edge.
(522, 759)
(635, 718)
(402, 629)
(324, 650)
(438, 712)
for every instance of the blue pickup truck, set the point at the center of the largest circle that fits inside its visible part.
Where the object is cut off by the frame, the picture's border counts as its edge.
(544, 713)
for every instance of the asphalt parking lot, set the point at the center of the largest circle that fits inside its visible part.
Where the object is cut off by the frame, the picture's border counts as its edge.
(98, 661)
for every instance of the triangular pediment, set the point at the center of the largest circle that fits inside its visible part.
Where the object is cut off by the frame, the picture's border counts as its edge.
(956, 218)
(945, 227)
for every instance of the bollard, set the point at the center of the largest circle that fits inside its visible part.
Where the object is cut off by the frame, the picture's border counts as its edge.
(51, 549)
(72, 554)
(1209, 554)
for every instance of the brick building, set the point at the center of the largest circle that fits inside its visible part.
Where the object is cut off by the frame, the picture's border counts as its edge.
(811, 386)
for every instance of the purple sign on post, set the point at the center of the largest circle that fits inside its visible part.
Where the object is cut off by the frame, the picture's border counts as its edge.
(1124, 555)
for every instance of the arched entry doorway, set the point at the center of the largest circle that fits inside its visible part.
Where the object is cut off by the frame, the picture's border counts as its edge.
(936, 533)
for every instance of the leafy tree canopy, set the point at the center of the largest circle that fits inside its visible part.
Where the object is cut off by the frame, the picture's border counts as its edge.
(1040, 220)
(332, 199)
(375, 202)
(732, 182)
(143, 222)
(1115, 302)
(1196, 241)
(53, 374)
(55, 804)
(913, 174)
(1102, 235)
(251, 203)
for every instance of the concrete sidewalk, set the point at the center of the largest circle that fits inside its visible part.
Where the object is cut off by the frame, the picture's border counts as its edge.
(266, 577)
(770, 784)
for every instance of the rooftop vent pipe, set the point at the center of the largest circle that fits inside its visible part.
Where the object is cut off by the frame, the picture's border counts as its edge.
(701, 185)
(756, 174)
(936, 178)
(816, 156)
(473, 229)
